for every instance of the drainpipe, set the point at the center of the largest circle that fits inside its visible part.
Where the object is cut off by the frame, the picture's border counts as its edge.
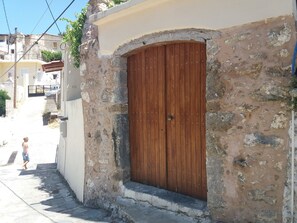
(292, 164)
(293, 95)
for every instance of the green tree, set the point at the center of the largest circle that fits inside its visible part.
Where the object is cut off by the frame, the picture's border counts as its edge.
(3, 96)
(115, 2)
(49, 56)
(74, 32)
(73, 35)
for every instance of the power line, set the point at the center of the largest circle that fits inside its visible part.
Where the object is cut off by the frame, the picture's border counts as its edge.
(41, 18)
(53, 16)
(6, 17)
(38, 38)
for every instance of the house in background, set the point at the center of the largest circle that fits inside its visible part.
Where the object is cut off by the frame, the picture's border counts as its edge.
(29, 68)
(187, 97)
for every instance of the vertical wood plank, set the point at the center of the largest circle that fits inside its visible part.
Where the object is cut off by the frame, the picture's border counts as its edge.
(203, 117)
(196, 115)
(188, 121)
(170, 125)
(162, 161)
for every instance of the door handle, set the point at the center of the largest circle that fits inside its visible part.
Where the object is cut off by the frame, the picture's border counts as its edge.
(170, 117)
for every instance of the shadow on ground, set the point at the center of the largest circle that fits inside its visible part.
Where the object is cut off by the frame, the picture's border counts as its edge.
(62, 199)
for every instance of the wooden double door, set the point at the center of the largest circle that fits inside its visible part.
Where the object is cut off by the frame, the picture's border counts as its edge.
(166, 87)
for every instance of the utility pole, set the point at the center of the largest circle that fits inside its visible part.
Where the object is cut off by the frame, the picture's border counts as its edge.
(15, 70)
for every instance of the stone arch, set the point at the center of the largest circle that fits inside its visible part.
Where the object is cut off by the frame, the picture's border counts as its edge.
(198, 35)
(119, 61)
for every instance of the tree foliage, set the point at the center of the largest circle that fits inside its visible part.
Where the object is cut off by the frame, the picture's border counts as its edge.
(73, 35)
(116, 2)
(74, 32)
(3, 96)
(49, 56)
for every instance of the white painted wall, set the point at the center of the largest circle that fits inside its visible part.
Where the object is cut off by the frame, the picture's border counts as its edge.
(136, 18)
(71, 153)
(71, 78)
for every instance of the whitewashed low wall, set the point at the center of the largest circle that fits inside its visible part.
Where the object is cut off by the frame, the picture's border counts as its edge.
(5, 131)
(22, 92)
(71, 154)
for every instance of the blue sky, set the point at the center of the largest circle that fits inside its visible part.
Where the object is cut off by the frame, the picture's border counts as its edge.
(33, 16)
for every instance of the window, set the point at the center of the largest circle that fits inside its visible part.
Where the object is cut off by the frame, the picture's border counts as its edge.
(2, 39)
(12, 51)
(55, 45)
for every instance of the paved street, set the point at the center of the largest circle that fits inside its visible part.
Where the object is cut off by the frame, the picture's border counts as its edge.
(38, 194)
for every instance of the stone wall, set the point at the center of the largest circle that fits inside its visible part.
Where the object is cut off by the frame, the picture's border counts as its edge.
(248, 79)
(248, 75)
(97, 81)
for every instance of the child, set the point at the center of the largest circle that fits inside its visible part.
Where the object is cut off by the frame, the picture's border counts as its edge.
(25, 152)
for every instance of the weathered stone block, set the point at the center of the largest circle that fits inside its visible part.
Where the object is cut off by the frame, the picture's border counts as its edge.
(279, 120)
(119, 108)
(278, 36)
(220, 121)
(252, 71)
(267, 216)
(260, 195)
(277, 71)
(215, 172)
(97, 137)
(215, 88)
(247, 108)
(213, 145)
(213, 106)
(212, 49)
(117, 95)
(270, 92)
(258, 56)
(257, 138)
(293, 93)
(120, 140)
(85, 96)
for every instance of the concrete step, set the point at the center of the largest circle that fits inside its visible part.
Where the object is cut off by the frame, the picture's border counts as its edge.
(145, 213)
(176, 205)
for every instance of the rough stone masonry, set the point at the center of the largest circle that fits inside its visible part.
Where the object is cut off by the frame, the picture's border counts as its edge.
(248, 80)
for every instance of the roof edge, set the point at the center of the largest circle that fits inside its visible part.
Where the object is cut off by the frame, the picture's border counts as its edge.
(121, 10)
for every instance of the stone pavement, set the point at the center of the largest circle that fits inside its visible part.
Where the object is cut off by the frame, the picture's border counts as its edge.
(41, 195)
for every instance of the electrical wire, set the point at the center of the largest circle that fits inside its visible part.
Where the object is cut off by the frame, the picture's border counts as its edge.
(38, 39)
(6, 17)
(41, 17)
(53, 16)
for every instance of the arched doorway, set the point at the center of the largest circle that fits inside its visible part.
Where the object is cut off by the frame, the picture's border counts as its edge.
(166, 100)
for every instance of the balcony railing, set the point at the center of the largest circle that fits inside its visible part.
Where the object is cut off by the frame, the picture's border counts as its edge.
(29, 56)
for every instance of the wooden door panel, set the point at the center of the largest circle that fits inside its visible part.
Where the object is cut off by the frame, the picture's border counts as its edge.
(167, 117)
(184, 93)
(147, 116)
